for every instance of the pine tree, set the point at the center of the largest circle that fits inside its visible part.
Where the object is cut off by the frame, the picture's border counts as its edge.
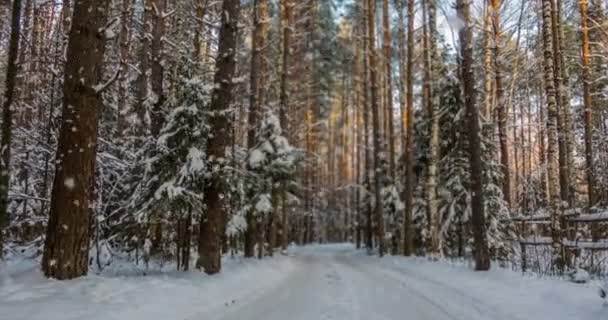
(482, 257)
(67, 241)
(7, 118)
(221, 98)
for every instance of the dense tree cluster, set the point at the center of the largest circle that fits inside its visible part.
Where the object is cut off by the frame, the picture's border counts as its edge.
(166, 130)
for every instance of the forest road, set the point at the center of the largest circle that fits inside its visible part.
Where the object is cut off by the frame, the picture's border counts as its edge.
(338, 283)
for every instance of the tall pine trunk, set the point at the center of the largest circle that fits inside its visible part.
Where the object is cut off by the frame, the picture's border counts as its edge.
(408, 230)
(66, 248)
(260, 16)
(211, 225)
(588, 105)
(501, 104)
(433, 115)
(481, 251)
(377, 139)
(552, 121)
(7, 118)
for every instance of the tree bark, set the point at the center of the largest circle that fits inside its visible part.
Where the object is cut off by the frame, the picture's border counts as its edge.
(7, 118)
(378, 148)
(433, 114)
(211, 225)
(408, 230)
(388, 54)
(260, 21)
(588, 105)
(552, 119)
(67, 241)
(494, 7)
(481, 252)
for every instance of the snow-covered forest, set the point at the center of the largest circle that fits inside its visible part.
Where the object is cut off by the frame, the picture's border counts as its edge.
(196, 145)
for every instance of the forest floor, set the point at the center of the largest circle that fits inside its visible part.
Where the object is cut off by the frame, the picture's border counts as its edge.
(331, 282)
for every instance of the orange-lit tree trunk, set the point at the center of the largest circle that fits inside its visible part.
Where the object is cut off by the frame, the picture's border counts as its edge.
(588, 105)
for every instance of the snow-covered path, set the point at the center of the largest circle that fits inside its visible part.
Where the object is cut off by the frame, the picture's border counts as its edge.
(333, 282)
(336, 283)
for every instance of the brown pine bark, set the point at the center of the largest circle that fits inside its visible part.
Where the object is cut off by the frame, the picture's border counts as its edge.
(211, 224)
(588, 104)
(377, 139)
(388, 54)
(67, 240)
(408, 230)
(287, 23)
(369, 232)
(7, 118)
(481, 252)
(260, 31)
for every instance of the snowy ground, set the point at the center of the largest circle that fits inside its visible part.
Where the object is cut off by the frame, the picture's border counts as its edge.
(332, 282)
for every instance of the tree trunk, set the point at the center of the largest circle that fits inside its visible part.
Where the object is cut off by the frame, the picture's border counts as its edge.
(211, 225)
(501, 103)
(378, 148)
(156, 77)
(66, 248)
(552, 119)
(588, 105)
(388, 54)
(366, 128)
(481, 252)
(256, 102)
(562, 126)
(7, 118)
(408, 123)
(433, 114)
(124, 39)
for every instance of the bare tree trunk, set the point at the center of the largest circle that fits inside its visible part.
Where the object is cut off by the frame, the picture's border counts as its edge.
(482, 255)
(433, 114)
(552, 119)
(255, 102)
(156, 77)
(501, 103)
(66, 248)
(144, 68)
(378, 149)
(211, 225)
(562, 127)
(408, 230)
(7, 118)
(588, 104)
(125, 46)
(366, 126)
(388, 54)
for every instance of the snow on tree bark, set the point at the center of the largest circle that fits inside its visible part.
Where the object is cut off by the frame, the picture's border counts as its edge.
(211, 222)
(67, 241)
